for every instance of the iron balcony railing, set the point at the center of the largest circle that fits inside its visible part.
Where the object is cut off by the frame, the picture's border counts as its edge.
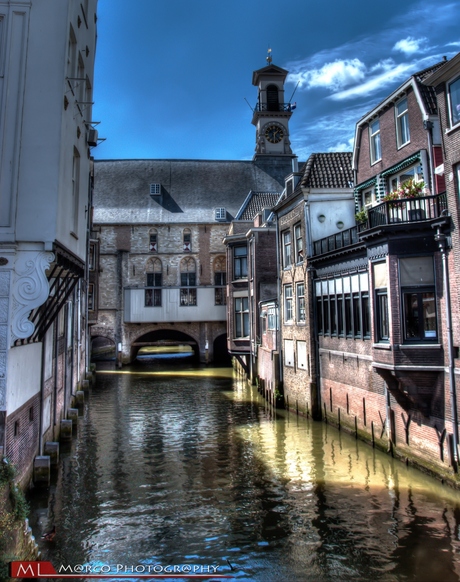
(274, 107)
(336, 241)
(401, 211)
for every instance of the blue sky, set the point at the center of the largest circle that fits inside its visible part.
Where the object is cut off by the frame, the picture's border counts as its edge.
(173, 76)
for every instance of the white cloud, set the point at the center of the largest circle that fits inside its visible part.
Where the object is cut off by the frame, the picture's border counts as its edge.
(342, 146)
(337, 74)
(409, 45)
(375, 83)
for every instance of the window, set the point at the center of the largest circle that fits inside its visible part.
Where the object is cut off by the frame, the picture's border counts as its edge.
(221, 214)
(241, 317)
(154, 278)
(153, 241)
(272, 318)
(368, 198)
(287, 249)
(342, 306)
(411, 173)
(454, 101)
(418, 299)
(240, 257)
(288, 303)
(187, 237)
(402, 123)
(188, 282)
(300, 301)
(155, 189)
(220, 281)
(92, 256)
(374, 133)
(382, 326)
(298, 243)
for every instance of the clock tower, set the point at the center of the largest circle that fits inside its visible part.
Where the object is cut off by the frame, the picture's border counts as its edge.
(271, 114)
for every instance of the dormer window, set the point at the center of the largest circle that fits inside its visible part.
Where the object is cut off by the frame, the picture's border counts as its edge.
(221, 214)
(155, 189)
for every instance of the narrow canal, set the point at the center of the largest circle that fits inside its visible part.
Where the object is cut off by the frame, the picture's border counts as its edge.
(180, 466)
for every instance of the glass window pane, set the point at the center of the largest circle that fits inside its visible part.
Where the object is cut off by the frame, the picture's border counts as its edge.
(429, 315)
(454, 96)
(416, 271)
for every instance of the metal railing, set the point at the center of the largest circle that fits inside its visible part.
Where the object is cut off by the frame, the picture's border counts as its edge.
(273, 107)
(407, 210)
(401, 211)
(336, 241)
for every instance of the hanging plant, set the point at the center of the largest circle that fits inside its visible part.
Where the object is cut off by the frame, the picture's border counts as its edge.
(409, 189)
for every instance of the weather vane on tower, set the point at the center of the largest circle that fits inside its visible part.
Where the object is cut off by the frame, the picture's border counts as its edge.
(269, 56)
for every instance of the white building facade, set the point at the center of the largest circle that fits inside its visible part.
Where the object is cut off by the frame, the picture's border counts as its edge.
(47, 51)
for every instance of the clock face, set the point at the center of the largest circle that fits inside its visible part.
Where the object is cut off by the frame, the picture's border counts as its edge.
(274, 133)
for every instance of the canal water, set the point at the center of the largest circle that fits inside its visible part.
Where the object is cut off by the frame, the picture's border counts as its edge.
(174, 466)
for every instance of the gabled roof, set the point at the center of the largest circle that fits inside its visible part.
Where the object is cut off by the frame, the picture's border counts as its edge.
(328, 170)
(255, 203)
(449, 69)
(270, 70)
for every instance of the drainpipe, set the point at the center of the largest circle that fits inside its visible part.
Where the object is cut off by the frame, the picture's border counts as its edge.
(278, 330)
(440, 238)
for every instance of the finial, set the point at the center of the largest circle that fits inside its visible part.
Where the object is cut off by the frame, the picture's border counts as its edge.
(269, 56)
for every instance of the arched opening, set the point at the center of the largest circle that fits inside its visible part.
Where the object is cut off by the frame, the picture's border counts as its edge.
(221, 355)
(273, 103)
(165, 344)
(103, 349)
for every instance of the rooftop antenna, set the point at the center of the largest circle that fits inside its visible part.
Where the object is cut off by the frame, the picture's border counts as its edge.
(269, 56)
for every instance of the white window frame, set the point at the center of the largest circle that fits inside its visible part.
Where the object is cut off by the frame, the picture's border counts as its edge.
(454, 119)
(402, 121)
(288, 304)
(287, 249)
(365, 195)
(374, 141)
(394, 181)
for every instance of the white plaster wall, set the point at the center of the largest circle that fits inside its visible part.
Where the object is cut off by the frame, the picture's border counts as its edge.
(23, 375)
(335, 209)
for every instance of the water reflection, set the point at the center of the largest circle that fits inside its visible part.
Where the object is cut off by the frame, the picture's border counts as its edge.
(189, 465)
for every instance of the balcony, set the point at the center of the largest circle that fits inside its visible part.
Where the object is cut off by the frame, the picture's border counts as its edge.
(273, 107)
(403, 211)
(172, 307)
(406, 210)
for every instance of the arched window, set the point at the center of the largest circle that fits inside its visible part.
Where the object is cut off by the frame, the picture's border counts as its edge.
(220, 280)
(187, 237)
(273, 103)
(153, 240)
(154, 274)
(188, 282)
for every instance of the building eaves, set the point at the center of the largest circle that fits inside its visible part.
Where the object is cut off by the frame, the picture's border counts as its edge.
(429, 98)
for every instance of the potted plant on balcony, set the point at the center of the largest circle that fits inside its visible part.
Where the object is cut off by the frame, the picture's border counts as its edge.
(407, 191)
(361, 216)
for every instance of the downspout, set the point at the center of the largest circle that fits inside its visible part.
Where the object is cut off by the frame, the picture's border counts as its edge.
(440, 238)
(428, 125)
(278, 327)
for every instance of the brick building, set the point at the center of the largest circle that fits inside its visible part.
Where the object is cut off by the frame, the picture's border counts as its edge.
(159, 230)
(47, 59)
(317, 202)
(379, 293)
(446, 81)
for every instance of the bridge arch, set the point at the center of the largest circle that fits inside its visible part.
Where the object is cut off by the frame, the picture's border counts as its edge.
(103, 349)
(164, 338)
